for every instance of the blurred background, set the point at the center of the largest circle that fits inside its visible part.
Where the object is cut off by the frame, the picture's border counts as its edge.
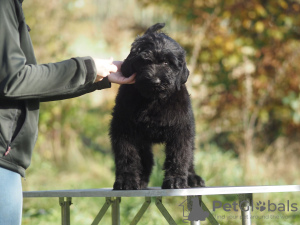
(244, 61)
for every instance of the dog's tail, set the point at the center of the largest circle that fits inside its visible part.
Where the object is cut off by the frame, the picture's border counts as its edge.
(155, 28)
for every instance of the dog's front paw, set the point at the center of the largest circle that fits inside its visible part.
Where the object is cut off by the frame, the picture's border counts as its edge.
(126, 184)
(195, 181)
(174, 183)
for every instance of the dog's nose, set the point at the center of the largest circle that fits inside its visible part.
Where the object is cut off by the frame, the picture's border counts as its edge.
(155, 80)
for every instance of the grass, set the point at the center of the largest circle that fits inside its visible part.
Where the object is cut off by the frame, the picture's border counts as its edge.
(96, 171)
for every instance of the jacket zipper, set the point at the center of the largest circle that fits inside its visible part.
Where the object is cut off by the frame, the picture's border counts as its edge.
(7, 150)
(12, 132)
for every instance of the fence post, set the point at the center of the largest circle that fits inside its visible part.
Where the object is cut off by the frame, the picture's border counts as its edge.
(190, 204)
(245, 201)
(115, 211)
(65, 210)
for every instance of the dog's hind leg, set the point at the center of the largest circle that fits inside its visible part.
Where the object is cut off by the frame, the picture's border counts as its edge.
(147, 164)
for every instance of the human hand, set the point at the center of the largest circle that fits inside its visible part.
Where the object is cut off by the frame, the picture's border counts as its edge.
(104, 67)
(118, 78)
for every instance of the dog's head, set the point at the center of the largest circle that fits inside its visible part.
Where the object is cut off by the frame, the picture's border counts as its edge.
(159, 64)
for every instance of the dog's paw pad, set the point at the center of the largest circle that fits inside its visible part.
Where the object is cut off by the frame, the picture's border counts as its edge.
(174, 183)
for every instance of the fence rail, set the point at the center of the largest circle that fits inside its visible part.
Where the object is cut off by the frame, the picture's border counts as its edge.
(113, 199)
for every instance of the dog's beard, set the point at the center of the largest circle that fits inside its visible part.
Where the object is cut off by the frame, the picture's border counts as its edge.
(153, 86)
(153, 92)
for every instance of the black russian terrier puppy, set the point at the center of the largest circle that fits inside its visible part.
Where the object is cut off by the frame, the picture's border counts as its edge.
(156, 109)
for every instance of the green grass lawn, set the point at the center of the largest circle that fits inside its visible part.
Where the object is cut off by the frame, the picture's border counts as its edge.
(96, 171)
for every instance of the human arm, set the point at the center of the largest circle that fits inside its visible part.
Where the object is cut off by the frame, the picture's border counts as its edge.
(21, 78)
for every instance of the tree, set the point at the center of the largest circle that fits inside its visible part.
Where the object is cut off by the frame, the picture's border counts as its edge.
(246, 55)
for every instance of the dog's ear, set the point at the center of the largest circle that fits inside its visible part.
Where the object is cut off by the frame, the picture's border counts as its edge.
(155, 28)
(127, 68)
(183, 76)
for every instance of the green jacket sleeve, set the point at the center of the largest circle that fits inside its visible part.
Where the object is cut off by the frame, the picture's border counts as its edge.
(21, 80)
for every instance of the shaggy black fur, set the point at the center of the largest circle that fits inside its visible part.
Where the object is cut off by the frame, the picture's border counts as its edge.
(156, 109)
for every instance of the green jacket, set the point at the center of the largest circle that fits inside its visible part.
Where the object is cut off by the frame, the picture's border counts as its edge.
(24, 84)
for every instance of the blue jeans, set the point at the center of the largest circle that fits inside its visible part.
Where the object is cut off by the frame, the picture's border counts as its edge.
(11, 198)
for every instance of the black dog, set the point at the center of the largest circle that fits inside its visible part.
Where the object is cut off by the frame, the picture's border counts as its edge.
(156, 109)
